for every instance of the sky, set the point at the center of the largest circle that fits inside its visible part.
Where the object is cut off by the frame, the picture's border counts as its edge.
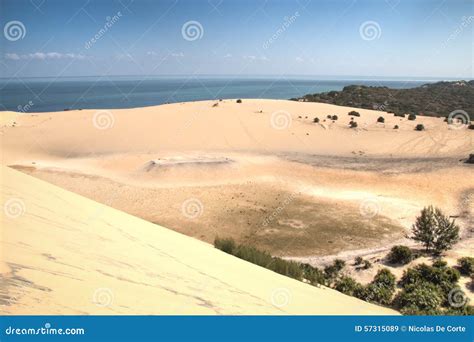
(377, 38)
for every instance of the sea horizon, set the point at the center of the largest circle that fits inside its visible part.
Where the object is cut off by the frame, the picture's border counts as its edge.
(47, 94)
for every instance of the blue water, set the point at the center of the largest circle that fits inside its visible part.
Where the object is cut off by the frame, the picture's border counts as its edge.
(52, 94)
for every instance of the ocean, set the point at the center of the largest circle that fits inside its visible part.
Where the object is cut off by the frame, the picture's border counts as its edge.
(58, 94)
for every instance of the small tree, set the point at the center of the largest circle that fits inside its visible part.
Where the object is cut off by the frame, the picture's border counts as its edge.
(435, 230)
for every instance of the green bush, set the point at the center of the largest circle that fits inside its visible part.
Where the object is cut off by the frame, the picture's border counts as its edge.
(411, 117)
(348, 286)
(239, 101)
(358, 261)
(367, 265)
(313, 274)
(400, 255)
(332, 271)
(225, 245)
(466, 266)
(353, 113)
(399, 114)
(316, 120)
(381, 119)
(420, 127)
(421, 298)
(381, 289)
(353, 124)
(249, 253)
(329, 116)
(396, 127)
(334, 117)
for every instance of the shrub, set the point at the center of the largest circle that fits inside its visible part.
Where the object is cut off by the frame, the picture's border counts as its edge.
(434, 230)
(358, 261)
(313, 274)
(399, 114)
(411, 117)
(381, 289)
(471, 126)
(329, 116)
(466, 266)
(215, 104)
(396, 127)
(316, 120)
(422, 298)
(348, 286)
(400, 255)
(353, 124)
(367, 265)
(249, 253)
(444, 277)
(334, 117)
(225, 245)
(353, 113)
(332, 271)
(239, 101)
(381, 119)
(420, 127)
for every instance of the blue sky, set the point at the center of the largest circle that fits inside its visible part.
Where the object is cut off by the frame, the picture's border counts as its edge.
(389, 38)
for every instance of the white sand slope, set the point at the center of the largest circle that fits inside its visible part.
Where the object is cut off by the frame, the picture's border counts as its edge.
(64, 254)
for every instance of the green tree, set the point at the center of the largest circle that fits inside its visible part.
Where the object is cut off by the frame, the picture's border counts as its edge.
(434, 230)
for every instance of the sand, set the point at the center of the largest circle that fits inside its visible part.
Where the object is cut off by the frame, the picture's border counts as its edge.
(56, 260)
(261, 171)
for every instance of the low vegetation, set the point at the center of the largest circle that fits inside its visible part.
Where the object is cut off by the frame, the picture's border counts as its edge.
(466, 266)
(432, 99)
(316, 120)
(420, 127)
(353, 113)
(400, 255)
(411, 117)
(424, 289)
(239, 101)
(353, 124)
(381, 119)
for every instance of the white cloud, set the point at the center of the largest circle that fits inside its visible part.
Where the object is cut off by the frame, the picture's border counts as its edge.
(228, 56)
(43, 56)
(299, 59)
(255, 58)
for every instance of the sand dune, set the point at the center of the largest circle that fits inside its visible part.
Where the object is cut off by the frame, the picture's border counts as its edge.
(64, 254)
(260, 171)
